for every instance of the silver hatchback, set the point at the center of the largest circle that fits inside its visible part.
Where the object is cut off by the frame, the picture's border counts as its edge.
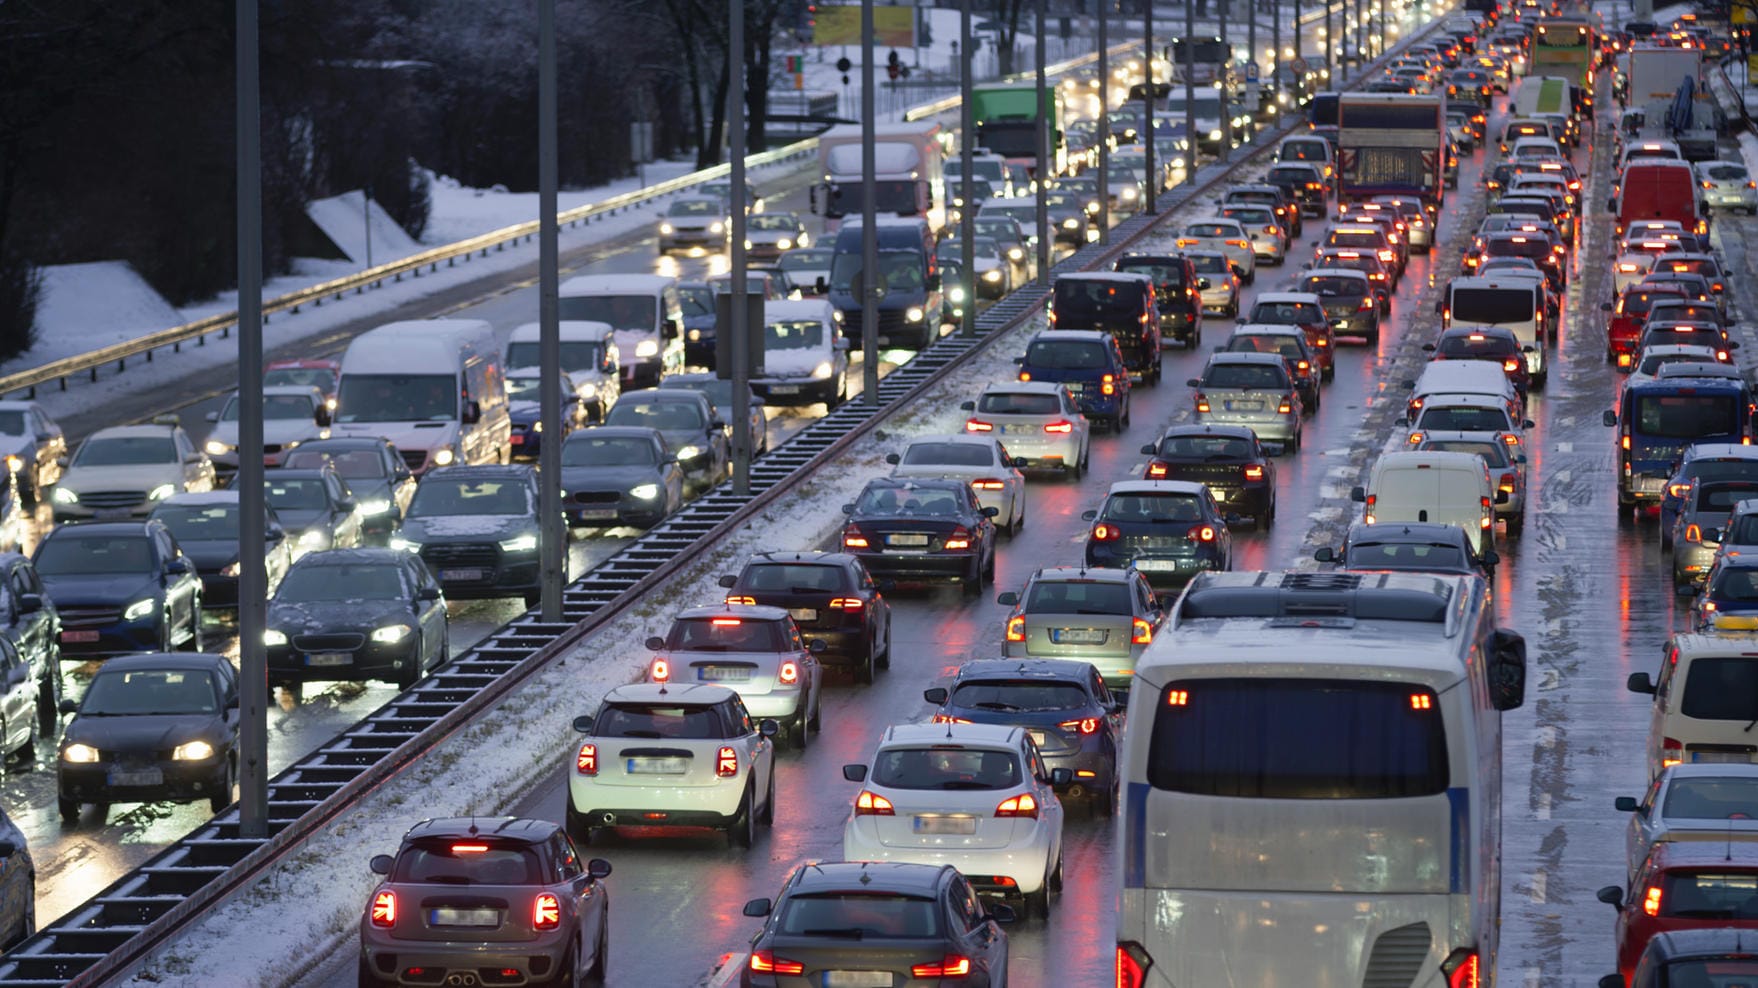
(1107, 617)
(1253, 390)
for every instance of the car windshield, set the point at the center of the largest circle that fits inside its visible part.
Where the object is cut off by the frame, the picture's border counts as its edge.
(928, 501)
(1067, 355)
(661, 415)
(658, 720)
(904, 270)
(814, 259)
(695, 300)
(587, 450)
(696, 207)
(1494, 454)
(125, 451)
(1019, 695)
(1206, 447)
(1406, 555)
(343, 581)
(727, 634)
(1091, 298)
(353, 464)
(635, 312)
(1462, 418)
(949, 454)
(1711, 798)
(948, 766)
(794, 334)
(773, 221)
(273, 407)
(794, 578)
(1019, 403)
(1211, 230)
(718, 392)
(1245, 376)
(143, 692)
(997, 228)
(1155, 508)
(397, 398)
(311, 377)
(1166, 276)
(200, 522)
(442, 496)
(466, 861)
(1334, 286)
(860, 916)
(1079, 597)
(577, 355)
(66, 553)
(529, 388)
(295, 494)
(1210, 263)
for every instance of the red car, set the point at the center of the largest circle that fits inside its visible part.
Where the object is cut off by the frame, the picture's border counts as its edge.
(1627, 318)
(319, 374)
(1684, 886)
(1306, 310)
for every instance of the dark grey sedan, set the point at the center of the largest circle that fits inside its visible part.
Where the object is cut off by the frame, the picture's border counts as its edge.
(619, 475)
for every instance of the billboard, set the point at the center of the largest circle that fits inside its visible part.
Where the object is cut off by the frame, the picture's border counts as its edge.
(840, 24)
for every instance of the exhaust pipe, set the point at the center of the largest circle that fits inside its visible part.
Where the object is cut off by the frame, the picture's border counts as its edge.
(1077, 791)
(462, 980)
(610, 819)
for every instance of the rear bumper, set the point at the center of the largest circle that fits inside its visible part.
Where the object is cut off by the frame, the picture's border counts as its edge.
(1027, 863)
(534, 960)
(936, 567)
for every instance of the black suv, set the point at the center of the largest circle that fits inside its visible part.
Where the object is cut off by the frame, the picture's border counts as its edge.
(1122, 304)
(476, 528)
(830, 596)
(1177, 293)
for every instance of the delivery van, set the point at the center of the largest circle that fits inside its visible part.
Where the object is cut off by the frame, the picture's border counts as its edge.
(1441, 487)
(434, 387)
(646, 314)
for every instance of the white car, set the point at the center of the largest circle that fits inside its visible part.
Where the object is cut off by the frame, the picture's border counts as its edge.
(291, 414)
(1040, 422)
(1268, 240)
(123, 471)
(1227, 236)
(1535, 148)
(981, 460)
(694, 221)
(1633, 263)
(975, 796)
(672, 755)
(755, 651)
(1217, 283)
(1727, 185)
(805, 355)
(1697, 801)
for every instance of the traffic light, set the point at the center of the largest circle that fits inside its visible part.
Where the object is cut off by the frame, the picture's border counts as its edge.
(894, 65)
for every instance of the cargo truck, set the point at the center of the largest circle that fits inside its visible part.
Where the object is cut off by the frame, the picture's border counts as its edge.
(909, 174)
(1006, 118)
(1392, 144)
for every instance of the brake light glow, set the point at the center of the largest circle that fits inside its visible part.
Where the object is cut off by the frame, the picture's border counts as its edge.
(1142, 633)
(870, 803)
(950, 966)
(1016, 628)
(1132, 972)
(1156, 470)
(747, 601)
(1202, 402)
(724, 622)
(1510, 365)
(1287, 405)
(989, 484)
(1254, 472)
(974, 425)
(546, 912)
(1672, 751)
(661, 671)
(1106, 533)
(1086, 725)
(384, 909)
(586, 762)
(853, 538)
(1108, 384)
(1201, 533)
(959, 539)
(1061, 426)
(789, 674)
(1463, 970)
(765, 962)
(726, 761)
(1693, 533)
(1022, 805)
(1651, 900)
(847, 604)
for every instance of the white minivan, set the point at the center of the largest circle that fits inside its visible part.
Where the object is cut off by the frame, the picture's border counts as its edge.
(589, 358)
(1441, 487)
(434, 387)
(645, 314)
(1514, 303)
(1704, 703)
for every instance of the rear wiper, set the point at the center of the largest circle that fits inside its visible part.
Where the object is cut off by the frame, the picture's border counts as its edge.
(1084, 610)
(446, 880)
(964, 784)
(996, 705)
(846, 932)
(1217, 457)
(633, 733)
(806, 590)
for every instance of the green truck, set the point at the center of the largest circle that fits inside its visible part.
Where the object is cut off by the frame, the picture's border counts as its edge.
(1006, 120)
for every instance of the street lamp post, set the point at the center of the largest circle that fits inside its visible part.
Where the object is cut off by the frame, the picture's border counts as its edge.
(967, 144)
(1042, 181)
(1150, 181)
(1104, 138)
(552, 543)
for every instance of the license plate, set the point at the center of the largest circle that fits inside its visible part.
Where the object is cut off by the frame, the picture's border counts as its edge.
(1156, 565)
(449, 916)
(1243, 406)
(516, 440)
(79, 636)
(595, 514)
(784, 389)
(1019, 430)
(1038, 737)
(138, 777)
(1078, 636)
(1650, 485)
(723, 674)
(803, 613)
(1720, 756)
(658, 766)
(110, 513)
(466, 575)
(330, 659)
(944, 824)
(857, 979)
(906, 540)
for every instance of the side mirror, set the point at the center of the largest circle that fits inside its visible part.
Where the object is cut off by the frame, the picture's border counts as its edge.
(758, 908)
(8, 848)
(1605, 306)
(69, 706)
(177, 567)
(1640, 682)
(1001, 912)
(855, 773)
(728, 581)
(1358, 495)
(1528, 348)
(967, 406)
(1612, 896)
(347, 504)
(1195, 382)
(323, 416)
(1149, 449)
(194, 458)
(1626, 804)
(1610, 418)
(1612, 981)
(893, 459)
(1490, 557)
(428, 593)
(1202, 283)
(1507, 670)
(1089, 515)
(716, 424)
(1324, 554)
(935, 695)
(1428, 348)
(472, 413)
(933, 282)
(1528, 424)
(1240, 321)
(991, 512)
(583, 724)
(655, 643)
(1733, 344)
(848, 509)
(1440, 305)
(821, 286)
(213, 416)
(1409, 385)
(381, 864)
(1019, 361)
(1501, 497)
(1060, 777)
(1008, 599)
(817, 646)
(274, 534)
(1019, 463)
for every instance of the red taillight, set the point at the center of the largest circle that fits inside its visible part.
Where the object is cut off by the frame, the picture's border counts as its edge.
(1060, 426)
(1086, 725)
(546, 912)
(1132, 965)
(747, 601)
(1201, 533)
(765, 962)
(789, 674)
(977, 425)
(1286, 406)
(1651, 900)
(1672, 751)
(1108, 384)
(1678, 490)
(661, 671)
(959, 539)
(854, 538)
(847, 604)
(1366, 304)
(1141, 633)
(1016, 628)
(1693, 533)
(1016, 806)
(726, 761)
(1254, 472)
(1510, 365)
(1202, 402)
(586, 762)
(384, 909)
(1303, 365)
(870, 803)
(1463, 969)
(989, 484)
(1106, 533)
(1156, 470)
(950, 966)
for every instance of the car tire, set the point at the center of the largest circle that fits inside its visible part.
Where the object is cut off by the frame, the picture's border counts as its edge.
(742, 831)
(27, 922)
(799, 732)
(1262, 520)
(222, 799)
(767, 817)
(864, 672)
(1017, 525)
(567, 973)
(579, 831)
(69, 810)
(49, 696)
(885, 654)
(989, 570)
(1105, 804)
(196, 637)
(1516, 523)
(972, 585)
(1038, 903)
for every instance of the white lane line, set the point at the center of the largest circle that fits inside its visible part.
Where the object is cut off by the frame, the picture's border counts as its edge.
(1538, 886)
(1565, 447)
(1541, 811)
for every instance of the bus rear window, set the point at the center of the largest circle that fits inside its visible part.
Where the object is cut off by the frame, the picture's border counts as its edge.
(1493, 306)
(1298, 739)
(1687, 416)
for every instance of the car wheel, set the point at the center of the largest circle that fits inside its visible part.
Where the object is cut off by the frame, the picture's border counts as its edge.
(1017, 525)
(1038, 903)
(567, 973)
(799, 732)
(989, 570)
(195, 632)
(579, 830)
(409, 675)
(742, 832)
(972, 583)
(1262, 520)
(885, 655)
(222, 799)
(69, 810)
(864, 671)
(49, 696)
(1105, 803)
(27, 923)
(1123, 420)
(767, 817)
(1517, 523)
(366, 978)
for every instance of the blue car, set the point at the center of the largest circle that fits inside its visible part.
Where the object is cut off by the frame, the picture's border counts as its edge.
(696, 299)
(524, 407)
(1090, 364)
(1169, 530)
(1700, 462)
(120, 587)
(1729, 600)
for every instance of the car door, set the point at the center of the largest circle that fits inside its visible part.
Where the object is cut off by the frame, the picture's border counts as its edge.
(1003, 462)
(979, 936)
(1044, 792)
(19, 700)
(29, 630)
(179, 587)
(430, 615)
(880, 608)
(590, 898)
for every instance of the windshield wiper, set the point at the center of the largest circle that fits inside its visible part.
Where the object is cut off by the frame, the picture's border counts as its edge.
(846, 932)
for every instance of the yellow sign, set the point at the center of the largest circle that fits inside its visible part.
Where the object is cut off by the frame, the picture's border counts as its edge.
(893, 27)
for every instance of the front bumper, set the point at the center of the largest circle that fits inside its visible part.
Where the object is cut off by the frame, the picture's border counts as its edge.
(145, 781)
(794, 390)
(369, 661)
(116, 638)
(591, 509)
(480, 576)
(84, 512)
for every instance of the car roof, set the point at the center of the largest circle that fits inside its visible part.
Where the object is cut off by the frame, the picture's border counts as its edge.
(1720, 451)
(164, 660)
(1243, 357)
(809, 308)
(812, 557)
(1070, 670)
(500, 828)
(510, 471)
(1397, 531)
(1126, 277)
(983, 734)
(1073, 335)
(1158, 486)
(1353, 274)
(868, 877)
(1082, 574)
(113, 529)
(132, 431)
(1696, 854)
(1027, 387)
(1703, 942)
(352, 557)
(689, 694)
(916, 483)
(345, 442)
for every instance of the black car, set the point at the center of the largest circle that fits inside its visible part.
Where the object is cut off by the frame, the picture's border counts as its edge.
(1415, 546)
(1349, 298)
(1304, 181)
(910, 921)
(375, 474)
(1176, 293)
(157, 726)
(120, 587)
(1227, 459)
(922, 530)
(476, 528)
(29, 620)
(525, 407)
(619, 475)
(1071, 714)
(316, 508)
(831, 597)
(693, 430)
(1169, 530)
(356, 614)
(719, 393)
(696, 299)
(205, 525)
(1123, 304)
(18, 885)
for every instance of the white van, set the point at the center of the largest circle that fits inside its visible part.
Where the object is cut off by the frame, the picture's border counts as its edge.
(1462, 377)
(1705, 701)
(1446, 488)
(1312, 784)
(1515, 303)
(589, 358)
(434, 387)
(646, 317)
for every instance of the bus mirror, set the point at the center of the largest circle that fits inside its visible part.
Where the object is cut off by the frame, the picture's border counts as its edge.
(1507, 670)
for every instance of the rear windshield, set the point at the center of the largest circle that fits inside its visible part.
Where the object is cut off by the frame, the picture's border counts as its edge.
(1164, 275)
(1723, 497)
(1245, 376)
(1361, 239)
(794, 578)
(1289, 313)
(1495, 455)
(1019, 403)
(1711, 798)
(1493, 306)
(1067, 355)
(1652, 363)
(1475, 347)
(654, 720)
(1333, 286)
(726, 634)
(1721, 894)
(1298, 739)
(1405, 555)
(946, 767)
(949, 454)
(1462, 418)
(1206, 448)
(1687, 416)
(1262, 343)
(1722, 688)
(467, 862)
(1739, 584)
(1724, 172)
(1152, 508)
(1717, 973)
(859, 916)
(1019, 695)
(1078, 597)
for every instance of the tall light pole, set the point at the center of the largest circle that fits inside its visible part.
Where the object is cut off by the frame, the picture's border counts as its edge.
(1043, 102)
(1330, 47)
(552, 534)
(871, 281)
(253, 590)
(1150, 181)
(1251, 46)
(1223, 79)
(1191, 141)
(740, 351)
(1104, 120)
(967, 156)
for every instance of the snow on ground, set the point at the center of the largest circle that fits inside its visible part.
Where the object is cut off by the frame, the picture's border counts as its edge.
(344, 220)
(89, 306)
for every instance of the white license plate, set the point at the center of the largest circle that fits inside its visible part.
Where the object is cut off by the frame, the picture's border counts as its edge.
(1038, 737)
(107, 514)
(1720, 756)
(1078, 636)
(857, 979)
(944, 824)
(330, 659)
(906, 540)
(595, 514)
(448, 916)
(1157, 565)
(466, 575)
(1019, 430)
(79, 636)
(1650, 485)
(658, 766)
(723, 674)
(138, 777)
(784, 389)
(1243, 406)
(803, 613)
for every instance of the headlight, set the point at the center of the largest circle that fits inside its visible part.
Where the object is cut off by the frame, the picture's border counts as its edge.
(695, 336)
(689, 452)
(537, 426)
(913, 314)
(1015, 254)
(784, 244)
(1129, 192)
(65, 496)
(665, 228)
(992, 275)
(1093, 207)
(1215, 135)
(443, 457)
(822, 371)
(519, 543)
(83, 754)
(747, 243)
(216, 448)
(407, 545)
(273, 638)
(647, 348)
(192, 751)
(139, 609)
(230, 569)
(1070, 223)
(957, 294)
(161, 492)
(374, 507)
(14, 462)
(644, 492)
(315, 538)
(716, 227)
(391, 634)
